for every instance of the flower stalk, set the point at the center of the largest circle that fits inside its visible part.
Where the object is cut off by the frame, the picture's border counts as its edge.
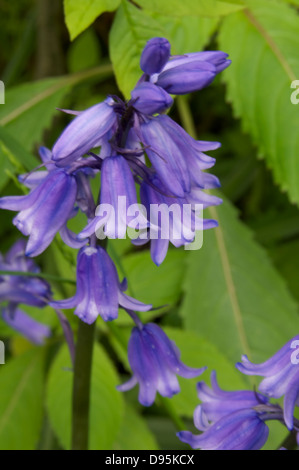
(82, 386)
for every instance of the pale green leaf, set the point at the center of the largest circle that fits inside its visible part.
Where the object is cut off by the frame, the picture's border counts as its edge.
(30, 107)
(160, 286)
(106, 407)
(187, 33)
(263, 44)
(234, 296)
(191, 7)
(80, 14)
(21, 403)
(131, 29)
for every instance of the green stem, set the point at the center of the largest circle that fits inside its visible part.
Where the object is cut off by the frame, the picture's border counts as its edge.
(186, 116)
(81, 386)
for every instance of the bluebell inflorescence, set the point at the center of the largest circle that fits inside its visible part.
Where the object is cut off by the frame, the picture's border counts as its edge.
(144, 160)
(281, 377)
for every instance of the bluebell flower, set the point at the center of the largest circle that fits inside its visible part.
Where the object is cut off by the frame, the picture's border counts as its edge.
(230, 420)
(155, 55)
(85, 132)
(34, 331)
(190, 72)
(241, 430)
(172, 219)
(99, 291)
(177, 158)
(21, 289)
(155, 362)
(18, 289)
(281, 374)
(150, 99)
(117, 194)
(45, 210)
(217, 403)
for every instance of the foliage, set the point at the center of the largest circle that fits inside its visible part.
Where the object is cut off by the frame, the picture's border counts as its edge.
(239, 293)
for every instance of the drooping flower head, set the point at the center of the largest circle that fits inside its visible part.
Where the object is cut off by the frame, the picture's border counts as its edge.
(44, 211)
(99, 291)
(22, 289)
(155, 362)
(281, 376)
(34, 331)
(229, 420)
(18, 289)
(241, 430)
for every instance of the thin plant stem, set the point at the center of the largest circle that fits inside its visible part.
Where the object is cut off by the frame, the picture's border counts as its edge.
(82, 385)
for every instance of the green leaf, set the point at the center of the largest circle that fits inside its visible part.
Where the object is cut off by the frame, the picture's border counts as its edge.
(21, 404)
(106, 408)
(198, 352)
(160, 286)
(30, 107)
(130, 31)
(84, 52)
(264, 64)
(134, 433)
(13, 158)
(234, 296)
(79, 15)
(187, 33)
(191, 7)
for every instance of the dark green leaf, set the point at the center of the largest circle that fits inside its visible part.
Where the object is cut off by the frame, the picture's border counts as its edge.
(234, 296)
(21, 404)
(264, 64)
(106, 408)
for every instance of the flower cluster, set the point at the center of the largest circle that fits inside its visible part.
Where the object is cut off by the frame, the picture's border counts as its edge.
(281, 377)
(237, 420)
(127, 133)
(141, 154)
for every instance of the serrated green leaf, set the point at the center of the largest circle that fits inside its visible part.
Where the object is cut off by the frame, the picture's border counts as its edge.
(264, 63)
(106, 407)
(234, 296)
(131, 29)
(80, 14)
(21, 403)
(191, 7)
(134, 433)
